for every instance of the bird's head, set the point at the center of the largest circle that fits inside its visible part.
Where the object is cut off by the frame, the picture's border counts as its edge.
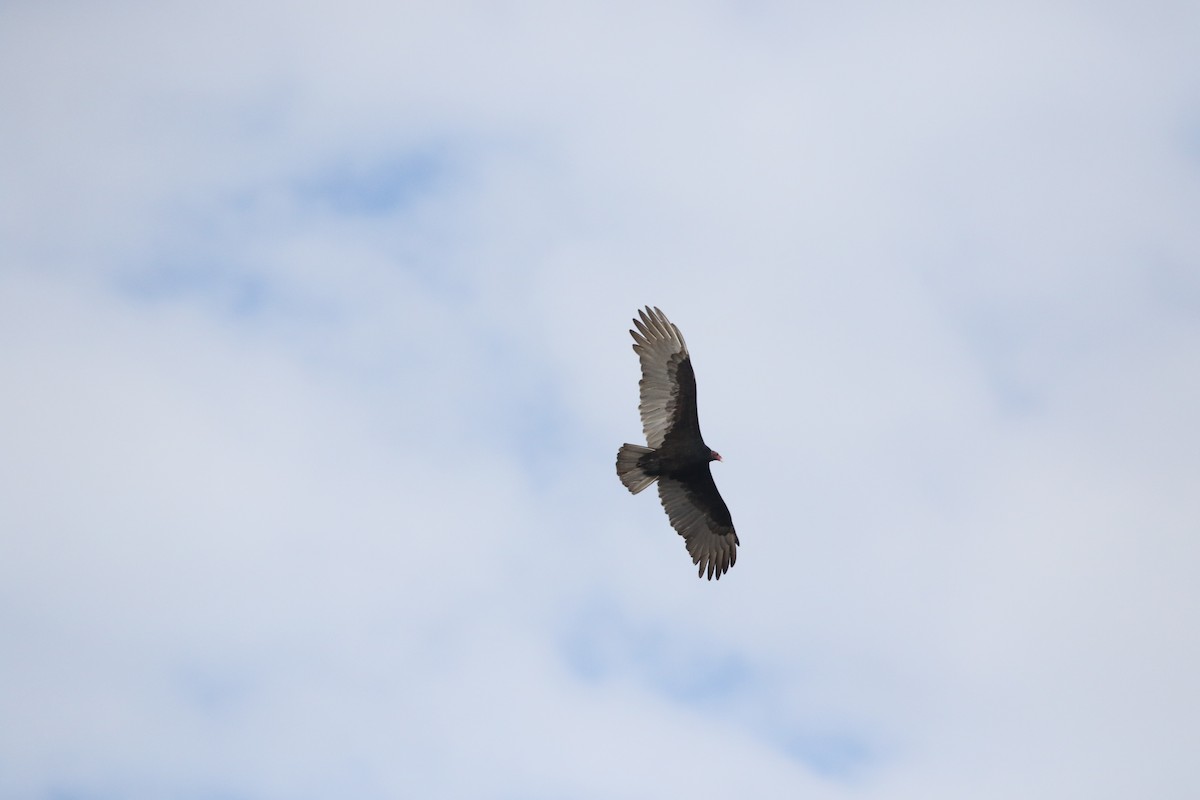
(713, 455)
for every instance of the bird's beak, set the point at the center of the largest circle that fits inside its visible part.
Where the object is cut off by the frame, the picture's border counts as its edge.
(717, 456)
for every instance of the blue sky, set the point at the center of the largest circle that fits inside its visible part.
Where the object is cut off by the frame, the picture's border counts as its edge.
(314, 330)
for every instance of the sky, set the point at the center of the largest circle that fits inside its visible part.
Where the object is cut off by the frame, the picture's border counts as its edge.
(313, 324)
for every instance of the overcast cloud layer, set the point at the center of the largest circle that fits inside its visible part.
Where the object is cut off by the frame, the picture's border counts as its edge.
(312, 323)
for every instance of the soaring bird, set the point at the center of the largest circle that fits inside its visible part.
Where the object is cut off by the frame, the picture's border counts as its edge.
(677, 456)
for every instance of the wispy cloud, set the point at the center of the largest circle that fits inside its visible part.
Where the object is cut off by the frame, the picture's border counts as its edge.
(313, 329)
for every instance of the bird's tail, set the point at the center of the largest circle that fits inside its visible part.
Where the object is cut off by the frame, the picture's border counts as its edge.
(629, 471)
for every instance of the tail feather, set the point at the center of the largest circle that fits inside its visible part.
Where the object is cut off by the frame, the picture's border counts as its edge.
(633, 476)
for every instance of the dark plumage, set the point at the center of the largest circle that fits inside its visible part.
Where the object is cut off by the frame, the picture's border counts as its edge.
(677, 456)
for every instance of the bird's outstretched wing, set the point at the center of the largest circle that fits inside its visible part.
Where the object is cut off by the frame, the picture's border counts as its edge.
(668, 385)
(701, 517)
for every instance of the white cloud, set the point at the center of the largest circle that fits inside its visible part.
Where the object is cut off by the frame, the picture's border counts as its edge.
(313, 325)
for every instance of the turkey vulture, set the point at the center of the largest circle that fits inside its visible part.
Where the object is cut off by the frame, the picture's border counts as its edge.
(677, 456)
